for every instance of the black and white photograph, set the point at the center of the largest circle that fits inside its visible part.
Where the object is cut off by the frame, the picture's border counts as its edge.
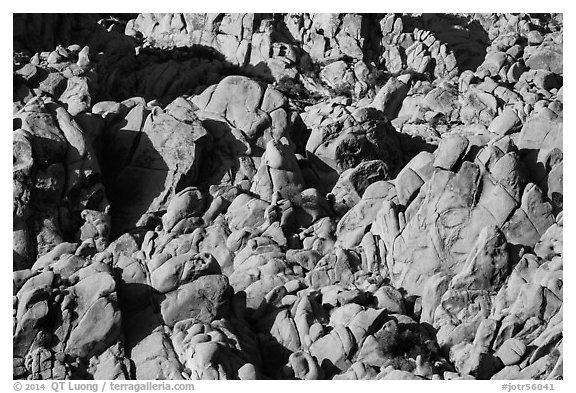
(287, 196)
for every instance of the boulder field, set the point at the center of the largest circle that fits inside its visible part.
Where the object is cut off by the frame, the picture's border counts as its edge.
(288, 196)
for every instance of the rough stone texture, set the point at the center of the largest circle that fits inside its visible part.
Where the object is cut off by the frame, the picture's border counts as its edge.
(288, 196)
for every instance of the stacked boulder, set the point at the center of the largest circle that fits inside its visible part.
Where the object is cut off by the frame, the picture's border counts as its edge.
(341, 196)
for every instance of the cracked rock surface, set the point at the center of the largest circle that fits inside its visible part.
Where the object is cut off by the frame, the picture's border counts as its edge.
(288, 196)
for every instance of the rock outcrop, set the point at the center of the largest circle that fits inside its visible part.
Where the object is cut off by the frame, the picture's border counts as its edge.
(288, 196)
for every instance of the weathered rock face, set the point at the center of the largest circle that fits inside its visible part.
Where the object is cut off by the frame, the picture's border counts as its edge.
(57, 182)
(343, 137)
(65, 316)
(152, 155)
(452, 209)
(288, 196)
(433, 43)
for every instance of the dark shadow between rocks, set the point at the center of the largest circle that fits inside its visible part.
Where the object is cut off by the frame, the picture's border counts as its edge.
(133, 183)
(39, 32)
(128, 69)
(165, 74)
(465, 37)
(140, 314)
(412, 145)
(264, 346)
(220, 160)
(535, 169)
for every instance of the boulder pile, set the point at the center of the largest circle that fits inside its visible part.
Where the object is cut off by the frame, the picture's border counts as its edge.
(288, 196)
